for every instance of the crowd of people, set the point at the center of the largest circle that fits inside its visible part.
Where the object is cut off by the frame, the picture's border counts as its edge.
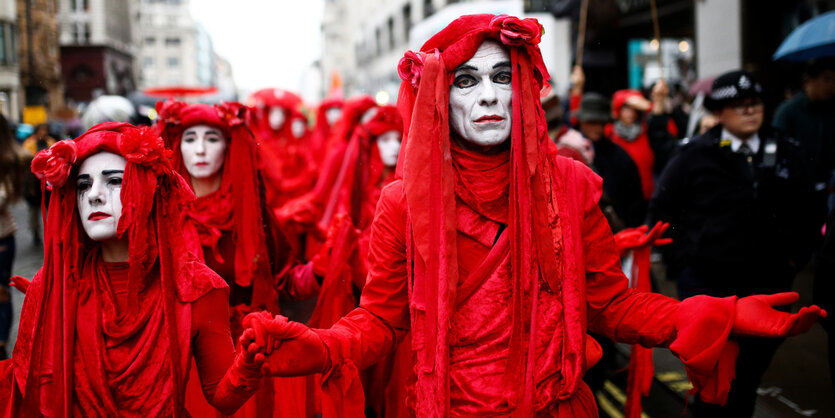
(465, 248)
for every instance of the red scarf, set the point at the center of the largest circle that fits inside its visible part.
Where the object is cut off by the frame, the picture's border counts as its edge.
(534, 203)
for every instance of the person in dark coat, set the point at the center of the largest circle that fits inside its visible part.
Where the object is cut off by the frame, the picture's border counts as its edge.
(621, 181)
(738, 201)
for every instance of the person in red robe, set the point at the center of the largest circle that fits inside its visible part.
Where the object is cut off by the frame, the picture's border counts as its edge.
(236, 232)
(328, 113)
(497, 258)
(286, 161)
(112, 320)
(341, 264)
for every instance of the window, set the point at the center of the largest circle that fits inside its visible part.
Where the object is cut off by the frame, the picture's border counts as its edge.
(378, 43)
(148, 62)
(85, 30)
(391, 36)
(172, 41)
(428, 8)
(173, 62)
(150, 40)
(407, 21)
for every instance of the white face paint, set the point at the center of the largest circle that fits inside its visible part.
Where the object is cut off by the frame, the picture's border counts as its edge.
(479, 99)
(298, 127)
(203, 148)
(333, 114)
(98, 188)
(389, 146)
(276, 118)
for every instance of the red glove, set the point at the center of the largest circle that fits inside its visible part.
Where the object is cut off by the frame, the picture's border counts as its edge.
(20, 283)
(291, 348)
(755, 316)
(641, 236)
(242, 378)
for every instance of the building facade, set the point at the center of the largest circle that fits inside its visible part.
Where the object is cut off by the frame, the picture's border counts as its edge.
(175, 50)
(9, 68)
(97, 47)
(38, 57)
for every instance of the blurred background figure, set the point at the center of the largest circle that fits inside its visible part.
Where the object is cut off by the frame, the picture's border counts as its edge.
(35, 143)
(12, 168)
(108, 109)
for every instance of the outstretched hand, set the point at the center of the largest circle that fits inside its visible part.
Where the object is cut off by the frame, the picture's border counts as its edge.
(20, 283)
(756, 316)
(642, 236)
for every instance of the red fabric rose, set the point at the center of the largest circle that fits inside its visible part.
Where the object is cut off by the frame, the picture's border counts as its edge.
(231, 112)
(144, 147)
(169, 111)
(516, 32)
(54, 164)
(410, 67)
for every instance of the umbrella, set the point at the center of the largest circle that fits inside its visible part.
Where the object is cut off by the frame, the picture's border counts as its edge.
(813, 39)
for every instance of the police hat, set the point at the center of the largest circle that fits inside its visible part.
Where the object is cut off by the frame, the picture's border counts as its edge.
(594, 108)
(731, 86)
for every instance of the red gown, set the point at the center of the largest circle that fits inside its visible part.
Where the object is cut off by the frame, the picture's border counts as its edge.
(479, 335)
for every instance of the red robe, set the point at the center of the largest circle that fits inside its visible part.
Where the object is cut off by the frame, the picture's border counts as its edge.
(480, 332)
(641, 153)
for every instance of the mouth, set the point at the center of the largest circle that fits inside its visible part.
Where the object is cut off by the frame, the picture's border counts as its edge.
(489, 119)
(201, 164)
(97, 216)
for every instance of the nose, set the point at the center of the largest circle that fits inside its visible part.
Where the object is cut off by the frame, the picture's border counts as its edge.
(97, 194)
(487, 93)
(200, 146)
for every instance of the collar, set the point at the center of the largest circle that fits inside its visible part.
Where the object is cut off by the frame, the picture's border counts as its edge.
(753, 142)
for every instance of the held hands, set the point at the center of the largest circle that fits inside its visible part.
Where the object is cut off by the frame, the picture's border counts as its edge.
(289, 348)
(755, 316)
(642, 236)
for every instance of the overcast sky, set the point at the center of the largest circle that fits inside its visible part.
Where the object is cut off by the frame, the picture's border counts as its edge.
(269, 43)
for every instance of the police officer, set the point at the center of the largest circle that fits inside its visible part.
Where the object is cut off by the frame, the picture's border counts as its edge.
(740, 208)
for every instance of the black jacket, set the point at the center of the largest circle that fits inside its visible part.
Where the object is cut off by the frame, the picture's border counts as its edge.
(621, 181)
(729, 214)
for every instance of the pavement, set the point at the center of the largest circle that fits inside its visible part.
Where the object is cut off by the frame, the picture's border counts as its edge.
(796, 385)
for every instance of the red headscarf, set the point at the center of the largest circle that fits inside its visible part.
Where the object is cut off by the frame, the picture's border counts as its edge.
(620, 98)
(260, 104)
(322, 130)
(537, 252)
(236, 206)
(160, 266)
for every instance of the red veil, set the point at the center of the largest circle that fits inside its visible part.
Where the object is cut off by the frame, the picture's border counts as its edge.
(538, 256)
(322, 130)
(161, 270)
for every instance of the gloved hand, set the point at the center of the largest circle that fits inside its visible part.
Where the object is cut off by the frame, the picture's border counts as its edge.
(642, 236)
(755, 316)
(20, 283)
(291, 348)
(242, 378)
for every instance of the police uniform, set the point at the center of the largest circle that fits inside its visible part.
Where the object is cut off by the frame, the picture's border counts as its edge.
(742, 223)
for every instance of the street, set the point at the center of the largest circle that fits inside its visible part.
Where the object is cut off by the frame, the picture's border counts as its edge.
(796, 385)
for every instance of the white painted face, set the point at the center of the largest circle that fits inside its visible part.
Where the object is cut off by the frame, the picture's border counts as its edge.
(333, 114)
(479, 99)
(276, 118)
(203, 148)
(98, 188)
(298, 127)
(389, 146)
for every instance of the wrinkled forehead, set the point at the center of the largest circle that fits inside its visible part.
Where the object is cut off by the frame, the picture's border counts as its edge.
(100, 162)
(486, 56)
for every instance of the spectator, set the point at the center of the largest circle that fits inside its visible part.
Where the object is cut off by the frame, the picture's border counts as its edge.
(628, 131)
(621, 181)
(737, 199)
(809, 118)
(11, 178)
(35, 143)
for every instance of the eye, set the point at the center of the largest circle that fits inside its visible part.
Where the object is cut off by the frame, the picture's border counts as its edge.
(502, 77)
(464, 81)
(213, 138)
(114, 181)
(188, 139)
(83, 186)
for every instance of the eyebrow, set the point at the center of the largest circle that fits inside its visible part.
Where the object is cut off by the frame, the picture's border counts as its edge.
(502, 64)
(465, 67)
(109, 172)
(83, 176)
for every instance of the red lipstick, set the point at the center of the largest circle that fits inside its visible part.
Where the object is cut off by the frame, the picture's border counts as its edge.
(489, 118)
(97, 216)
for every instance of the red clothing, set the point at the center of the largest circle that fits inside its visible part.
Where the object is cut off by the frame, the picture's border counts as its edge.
(479, 331)
(641, 152)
